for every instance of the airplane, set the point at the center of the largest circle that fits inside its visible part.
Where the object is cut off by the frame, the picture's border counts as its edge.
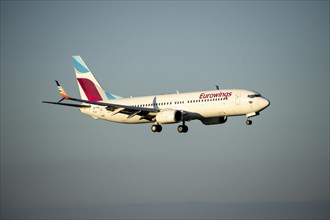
(210, 107)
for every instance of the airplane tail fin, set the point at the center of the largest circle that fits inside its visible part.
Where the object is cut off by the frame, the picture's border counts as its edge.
(89, 87)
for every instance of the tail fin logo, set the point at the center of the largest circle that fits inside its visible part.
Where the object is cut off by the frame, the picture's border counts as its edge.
(90, 89)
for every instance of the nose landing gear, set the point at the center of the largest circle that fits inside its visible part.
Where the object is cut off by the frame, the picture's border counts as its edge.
(248, 122)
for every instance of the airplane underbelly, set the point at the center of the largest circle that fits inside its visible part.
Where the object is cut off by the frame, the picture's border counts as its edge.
(108, 116)
(123, 118)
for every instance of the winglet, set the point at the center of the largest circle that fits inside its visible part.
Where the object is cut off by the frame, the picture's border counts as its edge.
(63, 94)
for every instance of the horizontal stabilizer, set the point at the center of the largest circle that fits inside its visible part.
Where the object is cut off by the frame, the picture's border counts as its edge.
(67, 104)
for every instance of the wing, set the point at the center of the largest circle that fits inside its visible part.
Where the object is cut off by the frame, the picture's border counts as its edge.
(130, 111)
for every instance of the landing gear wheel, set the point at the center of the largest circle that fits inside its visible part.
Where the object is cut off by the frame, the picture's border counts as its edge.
(182, 129)
(248, 122)
(156, 128)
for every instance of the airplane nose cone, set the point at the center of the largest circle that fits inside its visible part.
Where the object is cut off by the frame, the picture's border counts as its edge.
(264, 103)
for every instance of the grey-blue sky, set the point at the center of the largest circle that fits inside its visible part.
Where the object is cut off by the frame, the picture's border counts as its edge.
(58, 163)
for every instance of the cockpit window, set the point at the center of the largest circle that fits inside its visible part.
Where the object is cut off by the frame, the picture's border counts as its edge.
(254, 95)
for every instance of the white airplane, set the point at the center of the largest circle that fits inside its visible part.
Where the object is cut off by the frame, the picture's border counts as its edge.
(210, 107)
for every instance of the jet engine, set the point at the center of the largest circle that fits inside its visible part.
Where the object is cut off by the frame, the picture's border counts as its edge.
(168, 116)
(214, 121)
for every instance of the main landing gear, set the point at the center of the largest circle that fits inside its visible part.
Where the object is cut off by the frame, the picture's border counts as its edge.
(181, 128)
(156, 128)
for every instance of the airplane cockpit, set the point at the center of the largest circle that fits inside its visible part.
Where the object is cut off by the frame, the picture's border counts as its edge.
(254, 95)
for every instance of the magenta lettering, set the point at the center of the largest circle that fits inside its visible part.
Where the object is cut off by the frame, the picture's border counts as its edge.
(215, 95)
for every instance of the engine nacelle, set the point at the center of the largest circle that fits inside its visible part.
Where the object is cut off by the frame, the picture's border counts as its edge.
(168, 116)
(214, 121)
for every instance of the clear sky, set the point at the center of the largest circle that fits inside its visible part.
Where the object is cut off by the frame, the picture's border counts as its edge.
(58, 163)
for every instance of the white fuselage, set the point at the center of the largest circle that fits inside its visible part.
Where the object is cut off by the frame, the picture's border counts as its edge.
(200, 105)
(210, 107)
